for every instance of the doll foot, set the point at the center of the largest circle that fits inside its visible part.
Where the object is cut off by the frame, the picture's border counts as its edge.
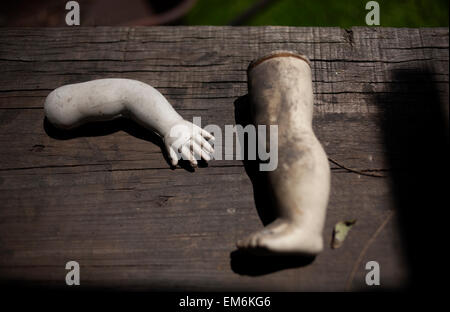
(283, 237)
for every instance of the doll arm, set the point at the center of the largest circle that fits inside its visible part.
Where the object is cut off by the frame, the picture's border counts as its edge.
(104, 99)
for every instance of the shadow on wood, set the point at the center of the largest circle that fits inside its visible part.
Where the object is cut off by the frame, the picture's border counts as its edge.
(415, 131)
(94, 129)
(261, 191)
(245, 263)
(257, 263)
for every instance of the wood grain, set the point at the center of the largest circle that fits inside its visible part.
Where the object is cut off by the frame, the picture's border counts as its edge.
(106, 197)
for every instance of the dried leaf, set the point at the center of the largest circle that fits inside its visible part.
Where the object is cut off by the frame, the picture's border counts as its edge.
(340, 232)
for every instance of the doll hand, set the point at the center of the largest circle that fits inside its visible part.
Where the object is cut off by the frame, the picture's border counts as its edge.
(189, 142)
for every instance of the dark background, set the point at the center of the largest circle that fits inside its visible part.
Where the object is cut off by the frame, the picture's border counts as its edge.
(343, 13)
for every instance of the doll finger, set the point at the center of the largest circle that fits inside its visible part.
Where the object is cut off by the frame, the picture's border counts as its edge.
(173, 156)
(187, 155)
(201, 154)
(206, 134)
(204, 144)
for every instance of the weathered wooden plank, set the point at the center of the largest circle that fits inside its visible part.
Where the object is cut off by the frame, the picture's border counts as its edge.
(107, 198)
